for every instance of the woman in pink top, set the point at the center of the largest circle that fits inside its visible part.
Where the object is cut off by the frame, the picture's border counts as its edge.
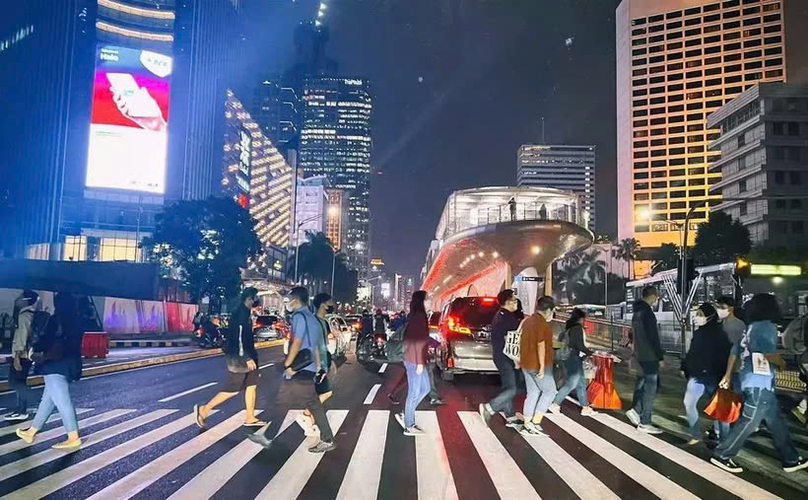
(416, 338)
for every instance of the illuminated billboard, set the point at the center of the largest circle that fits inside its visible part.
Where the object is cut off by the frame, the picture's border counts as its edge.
(128, 129)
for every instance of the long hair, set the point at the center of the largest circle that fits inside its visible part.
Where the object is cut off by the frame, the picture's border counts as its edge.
(762, 307)
(575, 315)
(709, 312)
(417, 302)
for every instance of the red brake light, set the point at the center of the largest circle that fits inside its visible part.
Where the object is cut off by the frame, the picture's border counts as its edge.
(488, 300)
(455, 325)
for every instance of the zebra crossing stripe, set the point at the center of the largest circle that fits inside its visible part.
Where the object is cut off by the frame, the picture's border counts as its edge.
(507, 477)
(59, 431)
(578, 478)
(654, 482)
(364, 471)
(383, 368)
(43, 457)
(24, 425)
(289, 481)
(435, 479)
(372, 394)
(66, 476)
(131, 485)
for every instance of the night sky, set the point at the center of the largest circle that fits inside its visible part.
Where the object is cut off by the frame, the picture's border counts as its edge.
(458, 85)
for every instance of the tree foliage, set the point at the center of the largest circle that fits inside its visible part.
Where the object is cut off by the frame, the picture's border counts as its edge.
(314, 268)
(665, 257)
(721, 239)
(577, 269)
(627, 250)
(205, 244)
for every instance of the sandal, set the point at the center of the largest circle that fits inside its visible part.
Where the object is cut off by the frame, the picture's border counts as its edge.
(200, 422)
(254, 423)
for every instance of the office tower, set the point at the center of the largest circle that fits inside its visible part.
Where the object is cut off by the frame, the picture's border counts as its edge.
(275, 107)
(311, 207)
(764, 132)
(677, 62)
(571, 168)
(336, 217)
(258, 178)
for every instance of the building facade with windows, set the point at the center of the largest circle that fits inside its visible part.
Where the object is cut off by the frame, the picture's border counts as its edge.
(569, 168)
(764, 153)
(677, 62)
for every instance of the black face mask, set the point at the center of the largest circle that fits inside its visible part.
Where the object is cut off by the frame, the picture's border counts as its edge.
(329, 309)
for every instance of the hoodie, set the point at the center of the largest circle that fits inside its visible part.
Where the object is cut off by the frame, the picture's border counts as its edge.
(19, 346)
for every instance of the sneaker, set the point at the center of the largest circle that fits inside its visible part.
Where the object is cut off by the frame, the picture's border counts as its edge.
(800, 464)
(514, 422)
(400, 420)
(307, 425)
(16, 417)
(260, 439)
(486, 413)
(394, 400)
(436, 402)
(67, 445)
(799, 415)
(711, 435)
(693, 442)
(414, 431)
(531, 429)
(323, 446)
(728, 465)
(25, 436)
(554, 408)
(633, 417)
(587, 411)
(649, 429)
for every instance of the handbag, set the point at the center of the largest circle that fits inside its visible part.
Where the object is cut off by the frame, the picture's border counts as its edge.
(513, 342)
(725, 406)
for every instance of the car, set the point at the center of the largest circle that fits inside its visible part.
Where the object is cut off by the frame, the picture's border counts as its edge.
(465, 337)
(355, 322)
(339, 337)
(269, 327)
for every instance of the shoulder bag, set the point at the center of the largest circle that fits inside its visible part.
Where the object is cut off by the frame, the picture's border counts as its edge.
(513, 340)
(304, 356)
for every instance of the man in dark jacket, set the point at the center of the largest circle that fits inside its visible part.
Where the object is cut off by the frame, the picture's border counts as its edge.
(504, 321)
(648, 357)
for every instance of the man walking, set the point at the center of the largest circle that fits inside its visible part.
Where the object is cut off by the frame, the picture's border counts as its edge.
(20, 349)
(242, 363)
(536, 359)
(648, 356)
(504, 321)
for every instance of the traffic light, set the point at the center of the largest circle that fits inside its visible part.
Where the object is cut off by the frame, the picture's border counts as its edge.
(743, 268)
(688, 270)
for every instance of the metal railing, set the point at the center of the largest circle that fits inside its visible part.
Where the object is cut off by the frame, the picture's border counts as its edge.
(520, 212)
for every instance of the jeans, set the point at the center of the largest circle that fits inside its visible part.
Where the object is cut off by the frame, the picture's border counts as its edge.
(417, 389)
(575, 380)
(503, 402)
(433, 390)
(540, 392)
(56, 394)
(695, 390)
(645, 390)
(759, 405)
(17, 382)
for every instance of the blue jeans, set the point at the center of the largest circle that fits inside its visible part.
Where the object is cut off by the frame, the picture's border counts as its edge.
(575, 380)
(504, 400)
(695, 390)
(56, 394)
(759, 405)
(540, 392)
(645, 390)
(417, 389)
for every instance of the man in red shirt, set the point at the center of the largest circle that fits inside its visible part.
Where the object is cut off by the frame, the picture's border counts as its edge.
(536, 353)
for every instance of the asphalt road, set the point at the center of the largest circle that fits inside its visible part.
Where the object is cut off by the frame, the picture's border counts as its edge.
(140, 442)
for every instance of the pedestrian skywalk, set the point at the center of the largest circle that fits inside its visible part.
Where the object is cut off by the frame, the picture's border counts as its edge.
(161, 454)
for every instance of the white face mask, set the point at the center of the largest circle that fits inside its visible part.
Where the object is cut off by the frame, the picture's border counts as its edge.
(700, 321)
(722, 313)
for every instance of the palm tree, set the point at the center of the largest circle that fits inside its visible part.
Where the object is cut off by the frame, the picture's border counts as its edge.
(665, 257)
(627, 251)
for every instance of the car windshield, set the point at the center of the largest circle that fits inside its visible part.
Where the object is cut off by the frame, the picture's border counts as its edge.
(474, 312)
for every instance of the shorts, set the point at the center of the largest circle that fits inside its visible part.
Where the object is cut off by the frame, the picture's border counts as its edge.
(236, 382)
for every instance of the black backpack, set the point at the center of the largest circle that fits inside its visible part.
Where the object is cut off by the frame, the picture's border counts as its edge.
(39, 320)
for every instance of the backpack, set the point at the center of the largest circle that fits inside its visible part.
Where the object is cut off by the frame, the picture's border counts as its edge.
(794, 338)
(394, 348)
(513, 341)
(39, 320)
(564, 351)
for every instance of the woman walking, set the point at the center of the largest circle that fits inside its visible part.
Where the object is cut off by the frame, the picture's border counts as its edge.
(703, 367)
(416, 339)
(57, 356)
(576, 351)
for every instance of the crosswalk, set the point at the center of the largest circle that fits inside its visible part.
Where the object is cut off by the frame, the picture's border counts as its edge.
(599, 458)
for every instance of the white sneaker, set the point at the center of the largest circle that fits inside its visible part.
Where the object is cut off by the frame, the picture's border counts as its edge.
(16, 417)
(587, 411)
(414, 431)
(649, 429)
(554, 408)
(309, 429)
(400, 420)
(633, 417)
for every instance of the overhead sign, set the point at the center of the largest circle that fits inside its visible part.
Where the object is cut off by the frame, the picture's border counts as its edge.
(775, 270)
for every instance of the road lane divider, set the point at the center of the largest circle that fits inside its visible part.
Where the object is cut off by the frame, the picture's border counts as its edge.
(383, 368)
(372, 394)
(185, 393)
(266, 366)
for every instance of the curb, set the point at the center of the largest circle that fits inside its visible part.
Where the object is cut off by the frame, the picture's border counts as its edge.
(141, 363)
(149, 343)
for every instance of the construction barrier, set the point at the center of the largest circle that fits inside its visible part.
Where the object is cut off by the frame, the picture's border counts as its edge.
(601, 392)
(95, 345)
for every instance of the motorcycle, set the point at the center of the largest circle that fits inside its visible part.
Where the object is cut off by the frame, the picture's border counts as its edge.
(372, 348)
(208, 335)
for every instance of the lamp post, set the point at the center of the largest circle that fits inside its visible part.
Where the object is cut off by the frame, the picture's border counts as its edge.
(297, 241)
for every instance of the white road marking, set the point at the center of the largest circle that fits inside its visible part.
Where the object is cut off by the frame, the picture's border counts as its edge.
(289, 481)
(364, 473)
(265, 366)
(507, 477)
(60, 431)
(185, 393)
(383, 368)
(435, 481)
(139, 480)
(372, 394)
(653, 481)
(43, 457)
(24, 425)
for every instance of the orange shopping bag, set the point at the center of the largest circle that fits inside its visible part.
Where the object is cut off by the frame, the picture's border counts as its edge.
(725, 406)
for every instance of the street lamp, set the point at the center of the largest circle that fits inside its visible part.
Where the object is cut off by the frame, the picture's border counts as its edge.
(297, 241)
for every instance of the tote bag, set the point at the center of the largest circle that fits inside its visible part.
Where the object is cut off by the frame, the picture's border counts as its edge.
(512, 342)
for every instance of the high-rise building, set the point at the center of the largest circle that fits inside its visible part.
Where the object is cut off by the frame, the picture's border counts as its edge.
(677, 62)
(275, 107)
(311, 207)
(337, 217)
(764, 132)
(571, 168)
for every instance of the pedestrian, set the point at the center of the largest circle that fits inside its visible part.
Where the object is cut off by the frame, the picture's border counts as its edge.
(576, 351)
(366, 329)
(241, 359)
(795, 340)
(21, 355)
(703, 367)
(512, 208)
(757, 351)
(505, 320)
(305, 370)
(734, 327)
(434, 395)
(536, 360)
(57, 356)
(416, 339)
(648, 358)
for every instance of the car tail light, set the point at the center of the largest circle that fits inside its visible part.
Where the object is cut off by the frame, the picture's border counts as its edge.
(455, 325)
(488, 300)
(449, 362)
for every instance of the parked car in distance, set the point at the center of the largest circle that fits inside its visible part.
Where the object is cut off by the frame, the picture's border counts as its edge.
(355, 322)
(269, 327)
(465, 336)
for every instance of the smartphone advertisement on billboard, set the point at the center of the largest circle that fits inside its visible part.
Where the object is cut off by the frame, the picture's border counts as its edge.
(128, 129)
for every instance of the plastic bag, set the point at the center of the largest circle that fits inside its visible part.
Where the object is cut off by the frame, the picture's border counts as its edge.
(725, 406)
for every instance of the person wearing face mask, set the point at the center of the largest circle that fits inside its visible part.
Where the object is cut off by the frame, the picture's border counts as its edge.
(648, 356)
(703, 367)
(536, 360)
